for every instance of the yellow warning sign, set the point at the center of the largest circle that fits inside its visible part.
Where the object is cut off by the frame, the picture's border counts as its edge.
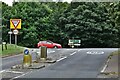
(15, 23)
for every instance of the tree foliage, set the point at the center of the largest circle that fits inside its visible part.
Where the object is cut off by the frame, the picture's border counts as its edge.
(96, 24)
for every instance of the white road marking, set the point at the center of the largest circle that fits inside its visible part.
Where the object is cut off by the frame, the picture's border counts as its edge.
(61, 59)
(15, 72)
(105, 66)
(100, 49)
(79, 50)
(73, 53)
(2, 71)
(68, 49)
(47, 52)
(94, 52)
(104, 69)
(20, 76)
(108, 60)
(51, 52)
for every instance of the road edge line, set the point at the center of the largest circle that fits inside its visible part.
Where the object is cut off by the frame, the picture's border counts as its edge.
(106, 65)
(103, 68)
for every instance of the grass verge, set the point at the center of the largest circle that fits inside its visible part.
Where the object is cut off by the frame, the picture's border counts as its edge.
(11, 50)
(114, 53)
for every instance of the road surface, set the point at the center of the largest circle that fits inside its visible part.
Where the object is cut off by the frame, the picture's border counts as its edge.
(17, 59)
(8, 62)
(82, 63)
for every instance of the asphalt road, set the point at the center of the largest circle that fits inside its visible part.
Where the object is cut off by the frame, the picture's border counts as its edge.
(8, 62)
(82, 63)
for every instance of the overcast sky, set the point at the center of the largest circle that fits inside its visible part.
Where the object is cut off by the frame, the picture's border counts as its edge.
(9, 2)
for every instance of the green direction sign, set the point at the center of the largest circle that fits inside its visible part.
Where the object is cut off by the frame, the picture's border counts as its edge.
(74, 41)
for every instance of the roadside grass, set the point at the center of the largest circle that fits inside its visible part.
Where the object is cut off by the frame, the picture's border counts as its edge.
(112, 73)
(114, 53)
(11, 50)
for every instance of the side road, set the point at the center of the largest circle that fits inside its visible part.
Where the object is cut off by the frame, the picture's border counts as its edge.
(111, 68)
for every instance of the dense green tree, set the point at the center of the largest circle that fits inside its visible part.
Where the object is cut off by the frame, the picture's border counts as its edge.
(114, 14)
(91, 23)
(6, 13)
(96, 24)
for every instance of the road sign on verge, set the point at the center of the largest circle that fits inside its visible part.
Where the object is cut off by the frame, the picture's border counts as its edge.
(10, 32)
(15, 23)
(74, 42)
(26, 51)
(15, 31)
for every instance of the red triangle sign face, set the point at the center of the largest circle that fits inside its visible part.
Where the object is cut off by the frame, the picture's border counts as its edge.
(15, 23)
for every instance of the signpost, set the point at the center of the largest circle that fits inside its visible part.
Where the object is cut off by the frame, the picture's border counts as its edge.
(15, 24)
(15, 32)
(10, 32)
(74, 42)
(26, 51)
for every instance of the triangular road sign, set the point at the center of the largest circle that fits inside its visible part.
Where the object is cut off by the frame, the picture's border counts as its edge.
(15, 22)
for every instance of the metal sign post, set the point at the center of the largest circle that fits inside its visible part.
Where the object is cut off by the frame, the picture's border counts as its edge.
(15, 32)
(10, 33)
(15, 24)
(15, 39)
